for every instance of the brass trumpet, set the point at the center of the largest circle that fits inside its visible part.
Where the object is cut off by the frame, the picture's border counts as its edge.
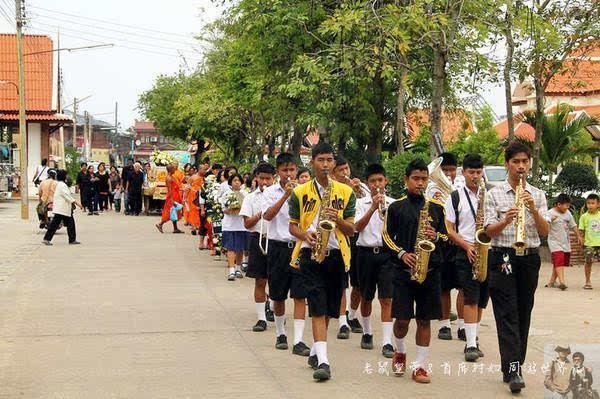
(361, 191)
(382, 206)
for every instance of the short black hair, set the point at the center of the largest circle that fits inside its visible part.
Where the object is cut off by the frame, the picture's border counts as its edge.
(593, 197)
(284, 158)
(82, 164)
(303, 170)
(61, 175)
(322, 148)
(217, 166)
(234, 176)
(514, 148)
(578, 354)
(563, 199)
(448, 159)
(416, 164)
(52, 173)
(472, 161)
(44, 162)
(374, 169)
(340, 161)
(264, 167)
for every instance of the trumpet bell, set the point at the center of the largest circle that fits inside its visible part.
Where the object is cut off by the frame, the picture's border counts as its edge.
(439, 178)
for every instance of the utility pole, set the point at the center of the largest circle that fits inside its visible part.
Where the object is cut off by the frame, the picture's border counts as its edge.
(75, 123)
(117, 125)
(24, 180)
(85, 136)
(61, 131)
(90, 137)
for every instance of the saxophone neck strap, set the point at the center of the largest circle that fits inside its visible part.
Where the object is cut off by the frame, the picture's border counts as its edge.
(470, 205)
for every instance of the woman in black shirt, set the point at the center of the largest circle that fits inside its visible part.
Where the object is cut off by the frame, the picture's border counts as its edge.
(89, 187)
(103, 186)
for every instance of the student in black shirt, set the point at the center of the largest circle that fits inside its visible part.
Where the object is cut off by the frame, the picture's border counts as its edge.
(127, 171)
(399, 239)
(78, 184)
(103, 186)
(133, 189)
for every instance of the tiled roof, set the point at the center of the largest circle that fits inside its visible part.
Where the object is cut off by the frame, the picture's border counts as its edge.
(38, 72)
(453, 122)
(579, 78)
(143, 125)
(36, 117)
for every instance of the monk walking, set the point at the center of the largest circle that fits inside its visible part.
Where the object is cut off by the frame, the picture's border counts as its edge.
(173, 196)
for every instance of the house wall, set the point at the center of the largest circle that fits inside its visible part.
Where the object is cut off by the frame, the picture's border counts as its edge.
(554, 100)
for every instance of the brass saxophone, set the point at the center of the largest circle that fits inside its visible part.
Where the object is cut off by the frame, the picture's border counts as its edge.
(324, 226)
(423, 247)
(520, 234)
(482, 240)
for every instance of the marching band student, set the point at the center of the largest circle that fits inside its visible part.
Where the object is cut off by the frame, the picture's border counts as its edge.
(461, 218)
(257, 261)
(375, 272)
(282, 278)
(349, 319)
(400, 233)
(303, 175)
(449, 278)
(512, 275)
(323, 282)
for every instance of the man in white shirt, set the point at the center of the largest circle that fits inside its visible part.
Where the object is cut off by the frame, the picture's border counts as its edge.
(62, 209)
(461, 216)
(257, 260)
(449, 167)
(374, 270)
(282, 277)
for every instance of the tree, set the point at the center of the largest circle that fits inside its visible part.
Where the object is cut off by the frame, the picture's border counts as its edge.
(484, 140)
(576, 178)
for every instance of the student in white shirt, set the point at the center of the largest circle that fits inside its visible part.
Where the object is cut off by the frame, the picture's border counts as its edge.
(62, 210)
(254, 223)
(282, 277)
(375, 272)
(235, 235)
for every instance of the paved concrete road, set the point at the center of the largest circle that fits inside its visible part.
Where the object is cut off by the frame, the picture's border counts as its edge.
(134, 314)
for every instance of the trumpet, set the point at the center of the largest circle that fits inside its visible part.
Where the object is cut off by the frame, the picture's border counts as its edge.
(382, 206)
(361, 191)
(289, 179)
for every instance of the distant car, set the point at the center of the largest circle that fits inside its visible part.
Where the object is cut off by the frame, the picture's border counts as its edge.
(494, 175)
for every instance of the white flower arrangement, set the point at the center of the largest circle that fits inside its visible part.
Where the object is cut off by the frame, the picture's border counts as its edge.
(161, 158)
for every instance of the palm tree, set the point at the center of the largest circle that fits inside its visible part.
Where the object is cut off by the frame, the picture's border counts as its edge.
(560, 132)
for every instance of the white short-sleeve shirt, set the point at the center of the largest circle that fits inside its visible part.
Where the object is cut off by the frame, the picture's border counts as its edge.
(279, 226)
(370, 236)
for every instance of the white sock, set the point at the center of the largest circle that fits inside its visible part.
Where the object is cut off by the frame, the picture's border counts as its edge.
(387, 328)
(279, 325)
(313, 350)
(478, 325)
(321, 350)
(260, 311)
(238, 268)
(343, 320)
(351, 314)
(271, 304)
(400, 348)
(298, 330)
(445, 323)
(461, 324)
(366, 325)
(231, 270)
(421, 356)
(471, 332)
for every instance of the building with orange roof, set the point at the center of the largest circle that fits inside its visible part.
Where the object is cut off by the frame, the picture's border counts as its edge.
(41, 115)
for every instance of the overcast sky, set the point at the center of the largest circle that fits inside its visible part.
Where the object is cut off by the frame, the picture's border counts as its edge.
(148, 38)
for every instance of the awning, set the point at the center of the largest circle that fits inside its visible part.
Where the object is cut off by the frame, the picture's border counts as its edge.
(36, 117)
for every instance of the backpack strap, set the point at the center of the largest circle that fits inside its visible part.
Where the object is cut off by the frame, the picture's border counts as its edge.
(455, 197)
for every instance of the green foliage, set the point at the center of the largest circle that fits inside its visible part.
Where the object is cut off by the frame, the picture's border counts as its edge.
(483, 141)
(395, 168)
(576, 178)
(72, 161)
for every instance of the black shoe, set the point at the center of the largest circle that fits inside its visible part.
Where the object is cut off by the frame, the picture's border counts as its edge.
(366, 341)
(445, 333)
(269, 312)
(516, 383)
(74, 243)
(322, 372)
(344, 332)
(90, 213)
(355, 326)
(461, 334)
(260, 325)
(505, 378)
(46, 242)
(281, 342)
(313, 361)
(96, 213)
(479, 352)
(301, 349)
(387, 351)
(471, 354)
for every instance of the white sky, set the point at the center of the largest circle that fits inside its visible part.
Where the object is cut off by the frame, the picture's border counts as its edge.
(118, 73)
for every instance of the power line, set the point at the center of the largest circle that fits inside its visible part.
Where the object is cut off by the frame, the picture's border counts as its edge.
(143, 35)
(108, 22)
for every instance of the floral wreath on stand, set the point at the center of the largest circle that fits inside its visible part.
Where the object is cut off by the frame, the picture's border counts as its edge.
(161, 158)
(214, 210)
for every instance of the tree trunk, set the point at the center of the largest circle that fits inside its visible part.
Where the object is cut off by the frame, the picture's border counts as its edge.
(437, 99)
(296, 141)
(510, 48)
(400, 115)
(375, 139)
(539, 120)
(271, 143)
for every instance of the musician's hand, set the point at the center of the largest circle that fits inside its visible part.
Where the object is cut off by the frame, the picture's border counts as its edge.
(471, 254)
(511, 214)
(289, 186)
(410, 259)
(528, 201)
(355, 183)
(376, 201)
(430, 233)
(310, 237)
(331, 214)
(438, 195)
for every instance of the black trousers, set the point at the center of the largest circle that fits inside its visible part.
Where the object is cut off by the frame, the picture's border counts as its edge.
(134, 200)
(103, 201)
(68, 222)
(92, 201)
(512, 299)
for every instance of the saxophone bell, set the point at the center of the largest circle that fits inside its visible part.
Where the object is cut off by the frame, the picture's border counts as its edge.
(482, 240)
(423, 246)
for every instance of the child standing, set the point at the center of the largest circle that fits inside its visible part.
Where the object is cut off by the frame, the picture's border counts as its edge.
(561, 221)
(589, 225)
(234, 232)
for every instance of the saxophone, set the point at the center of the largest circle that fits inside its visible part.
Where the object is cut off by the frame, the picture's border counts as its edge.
(482, 240)
(324, 226)
(520, 234)
(423, 247)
